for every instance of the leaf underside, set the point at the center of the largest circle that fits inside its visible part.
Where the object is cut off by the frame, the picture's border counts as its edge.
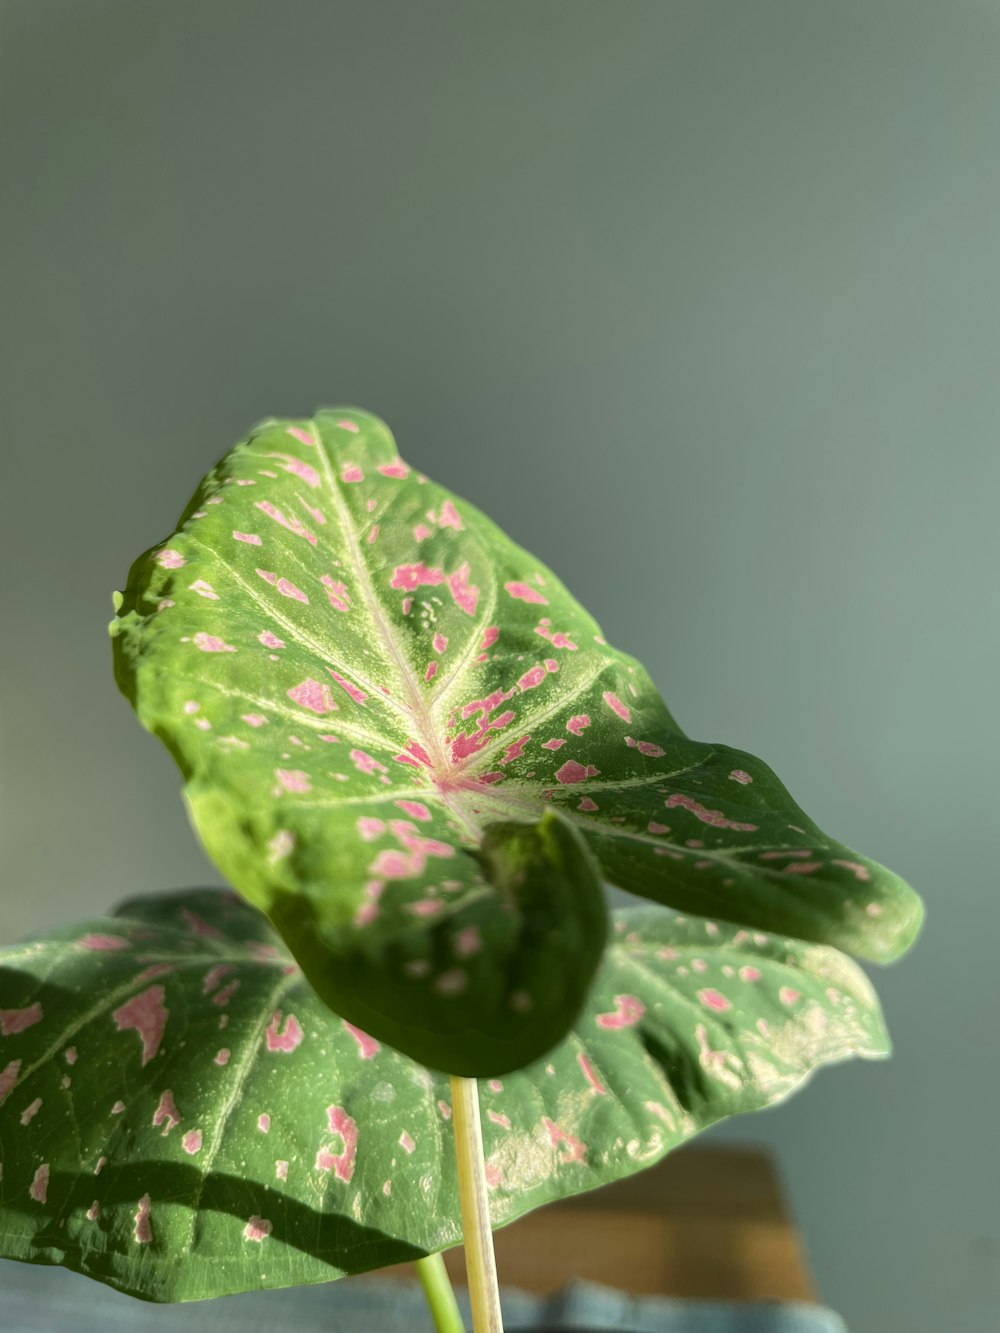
(182, 1117)
(359, 675)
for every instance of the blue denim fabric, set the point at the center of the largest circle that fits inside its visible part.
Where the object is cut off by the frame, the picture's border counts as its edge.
(51, 1300)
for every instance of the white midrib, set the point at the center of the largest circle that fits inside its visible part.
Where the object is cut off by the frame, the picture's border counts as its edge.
(425, 736)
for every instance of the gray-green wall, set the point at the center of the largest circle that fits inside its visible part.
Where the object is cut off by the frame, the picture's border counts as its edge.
(701, 301)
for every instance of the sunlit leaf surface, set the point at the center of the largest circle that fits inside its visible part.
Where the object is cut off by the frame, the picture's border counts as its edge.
(359, 674)
(181, 1116)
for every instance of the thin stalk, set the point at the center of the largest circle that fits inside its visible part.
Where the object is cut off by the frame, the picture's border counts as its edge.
(440, 1297)
(480, 1264)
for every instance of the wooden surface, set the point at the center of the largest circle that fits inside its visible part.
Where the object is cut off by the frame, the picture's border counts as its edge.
(706, 1223)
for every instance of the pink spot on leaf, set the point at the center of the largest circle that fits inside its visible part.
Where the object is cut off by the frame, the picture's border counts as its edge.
(424, 906)
(283, 1039)
(575, 1151)
(296, 468)
(357, 695)
(258, 1228)
(525, 593)
(859, 871)
(571, 771)
(597, 1087)
(713, 999)
(370, 828)
(411, 577)
(342, 1163)
(30, 1111)
(166, 1112)
(143, 1228)
(292, 524)
(714, 817)
(314, 695)
(191, 1142)
(514, 751)
(226, 994)
(210, 643)
(146, 1015)
(39, 1187)
(283, 586)
(555, 637)
(468, 941)
(532, 678)
(645, 747)
(293, 779)
(628, 1010)
(214, 975)
(464, 594)
(19, 1020)
(336, 593)
(616, 705)
(368, 1047)
(365, 763)
(578, 723)
(448, 517)
(8, 1077)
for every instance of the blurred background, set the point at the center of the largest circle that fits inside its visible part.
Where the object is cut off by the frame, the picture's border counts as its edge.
(700, 301)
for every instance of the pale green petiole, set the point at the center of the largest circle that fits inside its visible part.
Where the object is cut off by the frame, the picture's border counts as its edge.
(484, 1293)
(440, 1297)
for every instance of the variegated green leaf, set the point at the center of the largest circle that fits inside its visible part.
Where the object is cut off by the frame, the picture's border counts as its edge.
(181, 1116)
(360, 675)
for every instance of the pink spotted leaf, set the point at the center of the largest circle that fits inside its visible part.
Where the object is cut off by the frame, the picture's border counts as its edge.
(400, 734)
(181, 1116)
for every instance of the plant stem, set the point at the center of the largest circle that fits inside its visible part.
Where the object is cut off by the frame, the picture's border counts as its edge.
(480, 1264)
(440, 1297)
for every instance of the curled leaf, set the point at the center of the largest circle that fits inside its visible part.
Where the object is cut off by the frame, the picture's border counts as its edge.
(362, 678)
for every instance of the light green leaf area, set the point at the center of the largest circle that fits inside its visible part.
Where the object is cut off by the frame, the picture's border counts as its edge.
(181, 1116)
(359, 674)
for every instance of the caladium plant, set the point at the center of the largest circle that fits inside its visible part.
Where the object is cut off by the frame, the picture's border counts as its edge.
(407, 744)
